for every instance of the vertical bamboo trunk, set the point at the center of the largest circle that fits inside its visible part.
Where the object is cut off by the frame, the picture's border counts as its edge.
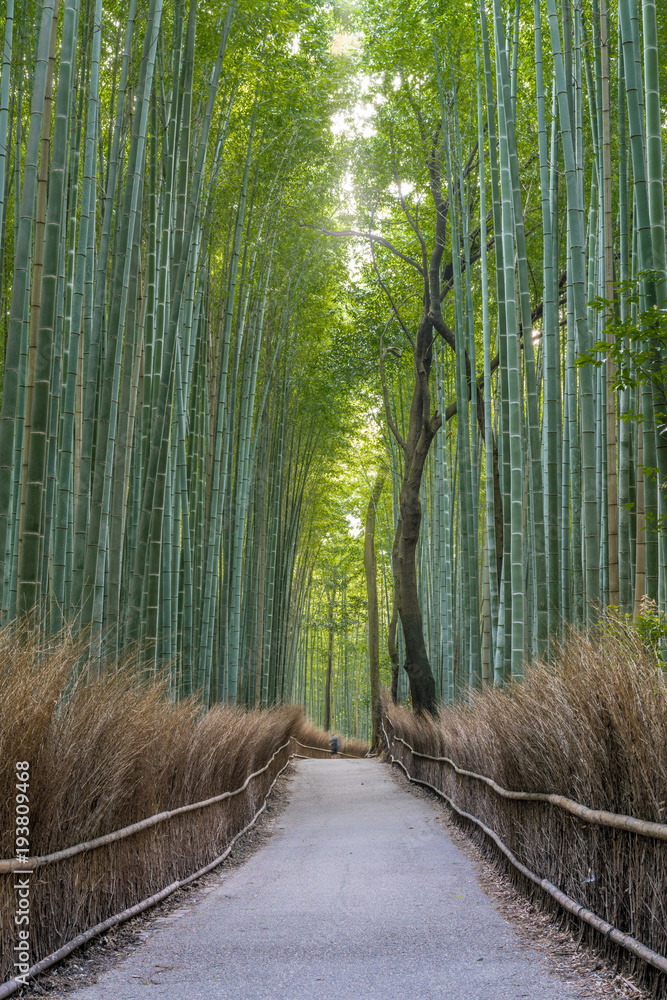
(575, 216)
(612, 492)
(5, 77)
(20, 288)
(518, 622)
(30, 560)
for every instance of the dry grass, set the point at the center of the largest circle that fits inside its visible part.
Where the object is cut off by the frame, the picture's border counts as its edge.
(592, 727)
(105, 753)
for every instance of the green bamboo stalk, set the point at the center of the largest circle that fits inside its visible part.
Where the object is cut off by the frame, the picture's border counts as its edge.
(531, 391)
(150, 526)
(122, 449)
(5, 128)
(151, 285)
(20, 285)
(512, 354)
(37, 269)
(502, 659)
(94, 306)
(220, 457)
(552, 394)
(30, 568)
(97, 549)
(578, 291)
(67, 420)
(246, 470)
(613, 500)
(656, 207)
(644, 236)
(491, 559)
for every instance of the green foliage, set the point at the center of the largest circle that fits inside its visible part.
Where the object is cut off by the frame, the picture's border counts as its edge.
(636, 344)
(650, 625)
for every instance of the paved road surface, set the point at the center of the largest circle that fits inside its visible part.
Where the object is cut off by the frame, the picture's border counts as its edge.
(358, 895)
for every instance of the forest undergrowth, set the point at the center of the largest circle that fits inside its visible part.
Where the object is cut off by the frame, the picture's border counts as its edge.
(106, 751)
(591, 726)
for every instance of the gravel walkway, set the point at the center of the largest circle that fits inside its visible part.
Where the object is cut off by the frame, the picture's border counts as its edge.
(358, 895)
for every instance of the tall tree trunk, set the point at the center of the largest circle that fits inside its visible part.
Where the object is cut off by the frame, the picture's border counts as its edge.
(370, 566)
(393, 624)
(422, 430)
(327, 689)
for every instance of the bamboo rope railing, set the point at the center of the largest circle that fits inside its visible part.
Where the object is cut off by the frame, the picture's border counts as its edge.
(31, 864)
(9, 865)
(635, 947)
(601, 817)
(307, 746)
(12, 985)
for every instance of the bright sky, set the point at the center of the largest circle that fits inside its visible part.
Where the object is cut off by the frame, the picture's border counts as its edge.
(354, 523)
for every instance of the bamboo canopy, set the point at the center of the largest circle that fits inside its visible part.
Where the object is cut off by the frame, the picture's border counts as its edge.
(254, 260)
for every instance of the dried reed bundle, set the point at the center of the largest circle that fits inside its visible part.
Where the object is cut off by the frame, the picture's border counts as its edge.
(593, 727)
(107, 750)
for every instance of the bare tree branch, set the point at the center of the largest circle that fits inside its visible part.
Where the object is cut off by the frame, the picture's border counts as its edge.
(412, 223)
(365, 236)
(386, 291)
(385, 394)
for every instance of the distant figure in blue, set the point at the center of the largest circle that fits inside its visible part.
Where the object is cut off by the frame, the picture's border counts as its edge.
(334, 744)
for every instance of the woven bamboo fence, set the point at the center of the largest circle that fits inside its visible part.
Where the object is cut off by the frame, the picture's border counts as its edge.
(612, 866)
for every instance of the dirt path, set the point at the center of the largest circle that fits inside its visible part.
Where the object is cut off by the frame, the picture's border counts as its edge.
(359, 893)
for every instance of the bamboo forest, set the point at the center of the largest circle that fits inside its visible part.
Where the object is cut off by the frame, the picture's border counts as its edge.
(333, 499)
(334, 339)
